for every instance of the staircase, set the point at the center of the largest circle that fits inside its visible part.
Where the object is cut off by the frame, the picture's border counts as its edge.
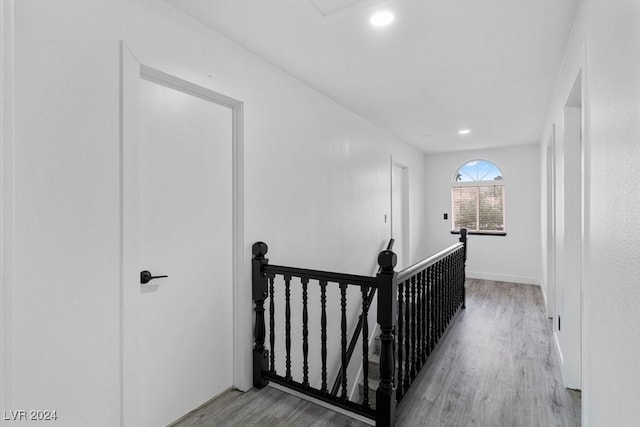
(374, 367)
(427, 294)
(374, 375)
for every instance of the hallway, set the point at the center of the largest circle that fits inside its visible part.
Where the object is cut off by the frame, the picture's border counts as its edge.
(495, 367)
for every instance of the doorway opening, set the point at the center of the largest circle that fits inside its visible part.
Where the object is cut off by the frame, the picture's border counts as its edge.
(551, 224)
(568, 324)
(400, 213)
(181, 217)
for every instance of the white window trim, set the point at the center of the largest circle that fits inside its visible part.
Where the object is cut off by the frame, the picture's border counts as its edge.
(500, 182)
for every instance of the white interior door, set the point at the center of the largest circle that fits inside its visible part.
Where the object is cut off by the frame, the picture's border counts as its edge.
(399, 214)
(183, 323)
(551, 230)
(570, 307)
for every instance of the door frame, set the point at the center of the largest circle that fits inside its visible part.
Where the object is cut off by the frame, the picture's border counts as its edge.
(551, 225)
(573, 241)
(573, 255)
(7, 145)
(136, 65)
(404, 201)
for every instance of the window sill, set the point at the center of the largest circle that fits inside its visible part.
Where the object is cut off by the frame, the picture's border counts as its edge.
(482, 233)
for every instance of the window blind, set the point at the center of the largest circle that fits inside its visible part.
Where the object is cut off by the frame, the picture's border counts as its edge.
(478, 208)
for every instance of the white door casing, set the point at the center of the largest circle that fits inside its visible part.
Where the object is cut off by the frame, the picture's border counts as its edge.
(7, 95)
(167, 185)
(570, 240)
(400, 213)
(551, 228)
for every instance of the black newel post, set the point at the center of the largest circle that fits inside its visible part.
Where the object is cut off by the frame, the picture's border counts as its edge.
(387, 316)
(259, 285)
(463, 240)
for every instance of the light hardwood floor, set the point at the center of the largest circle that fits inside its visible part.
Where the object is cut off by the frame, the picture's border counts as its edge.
(496, 366)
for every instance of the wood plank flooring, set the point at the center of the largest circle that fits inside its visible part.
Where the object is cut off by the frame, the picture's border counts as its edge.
(267, 407)
(496, 366)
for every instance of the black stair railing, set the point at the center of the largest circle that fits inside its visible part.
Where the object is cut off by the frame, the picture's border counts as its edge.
(268, 280)
(414, 307)
(387, 318)
(362, 323)
(430, 293)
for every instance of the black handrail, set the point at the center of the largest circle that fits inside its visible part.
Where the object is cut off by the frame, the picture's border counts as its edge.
(328, 276)
(389, 247)
(419, 266)
(414, 308)
(356, 333)
(430, 293)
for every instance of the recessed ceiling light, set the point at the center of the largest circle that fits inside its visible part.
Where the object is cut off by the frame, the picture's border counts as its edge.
(464, 131)
(381, 18)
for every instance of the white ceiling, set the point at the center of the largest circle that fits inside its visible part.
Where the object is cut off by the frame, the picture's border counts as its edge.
(443, 65)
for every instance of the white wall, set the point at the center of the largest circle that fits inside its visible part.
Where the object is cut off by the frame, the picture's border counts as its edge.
(6, 168)
(316, 186)
(514, 257)
(605, 43)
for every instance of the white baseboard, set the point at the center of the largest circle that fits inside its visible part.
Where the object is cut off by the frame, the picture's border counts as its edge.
(503, 278)
(543, 289)
(559, 353)
(324, 404)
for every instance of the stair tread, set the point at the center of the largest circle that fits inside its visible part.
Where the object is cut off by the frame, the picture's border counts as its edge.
(373, 384)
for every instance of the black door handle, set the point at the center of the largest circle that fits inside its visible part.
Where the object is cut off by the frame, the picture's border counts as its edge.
(146, 277)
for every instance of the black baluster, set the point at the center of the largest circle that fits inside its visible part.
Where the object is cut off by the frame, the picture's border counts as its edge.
(447, 283)
(365, 346)
(445, 294)
(424, 316)
(433, 307)
(414, 321)
(445, 287)
(272, 324)
(425, 329)
(407, 341)
(323, 333)
(287, 318)
(418, 343)
(430, 309)
(440, 298)
(427, 317)
(399, 392)
(454, 283)
(447, 264)
(461, 277)
(437, 302)
(343, 336)
(456, 278)
(387, 317)
(443, 298)
(259, 293)
(443, 263)
(448, 292)
(463, 239)
(305, 334)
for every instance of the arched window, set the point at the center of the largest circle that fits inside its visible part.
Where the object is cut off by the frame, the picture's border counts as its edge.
(477, 198)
